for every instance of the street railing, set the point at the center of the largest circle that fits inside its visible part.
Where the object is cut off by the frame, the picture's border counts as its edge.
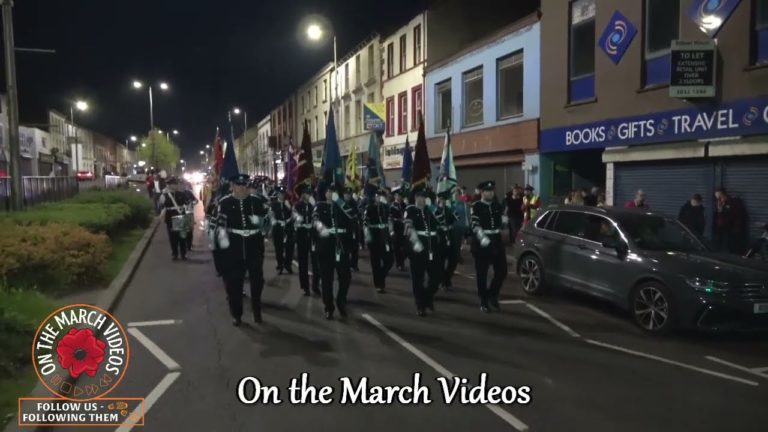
(111, 181)
(36, 190)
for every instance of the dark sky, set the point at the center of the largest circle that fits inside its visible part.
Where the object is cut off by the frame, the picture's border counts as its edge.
(215, 54)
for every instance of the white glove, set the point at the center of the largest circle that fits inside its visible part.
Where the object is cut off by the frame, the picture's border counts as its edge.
(325, 233)
(504, 219)
(255, 220)
(299, 218)
(334, 197)
(367, 233)
(428, 202)
(485, 241)
(211, 240)
(480, 234)
(312, 200)
(354, 196)
(223, 238)
(418, 247)
(391, 229)
(383, 200)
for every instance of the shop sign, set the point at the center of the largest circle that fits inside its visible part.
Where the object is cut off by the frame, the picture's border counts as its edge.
(693, 69)
(736, 118)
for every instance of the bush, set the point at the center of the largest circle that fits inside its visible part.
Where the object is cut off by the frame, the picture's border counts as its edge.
(20, 314)
(96, 218)
(140, 206)
(54, 257)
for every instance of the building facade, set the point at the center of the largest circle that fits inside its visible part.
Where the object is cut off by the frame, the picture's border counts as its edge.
(487, 96)
(283, 128)
(314, 99)
(610, 117)
(264, 153)
(59, 129)
(404, 58)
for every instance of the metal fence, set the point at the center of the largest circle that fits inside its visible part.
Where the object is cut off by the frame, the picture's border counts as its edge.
(36, 190)
(115, 181)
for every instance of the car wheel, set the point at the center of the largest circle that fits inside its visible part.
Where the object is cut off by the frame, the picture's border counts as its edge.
(531, 274)
(652, 308)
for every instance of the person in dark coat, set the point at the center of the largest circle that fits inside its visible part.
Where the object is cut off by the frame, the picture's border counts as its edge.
(730, 223)
(692, 215)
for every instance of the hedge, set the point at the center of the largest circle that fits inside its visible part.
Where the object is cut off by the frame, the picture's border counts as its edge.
(53, 258)
(96, 218)
(141, 207)
(20, 314)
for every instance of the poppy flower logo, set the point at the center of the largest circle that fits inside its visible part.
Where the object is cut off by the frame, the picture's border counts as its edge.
(80, 351)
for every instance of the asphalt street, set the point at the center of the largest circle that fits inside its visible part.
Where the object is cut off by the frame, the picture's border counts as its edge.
(587, 366)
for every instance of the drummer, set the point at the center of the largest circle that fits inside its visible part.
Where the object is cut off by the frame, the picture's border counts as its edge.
(173, 202)
(190, 213)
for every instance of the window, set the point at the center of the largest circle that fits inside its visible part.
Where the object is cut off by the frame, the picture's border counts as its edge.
(417, 45)
(315, 95)
(346, 77)
(402, 53)
(544, 220)
(347, 119)
(390, 116)
(662, 26)
(444, 106)
(358, 75)
(317, 129)
(303, 103)
(359, 116)
(418, 103)
(390, 60)
(582, 55)
(402, 108)
(510, 85)
(473, 97)
(325, 90)
(570, 223)
(371, 64)
(760, 37)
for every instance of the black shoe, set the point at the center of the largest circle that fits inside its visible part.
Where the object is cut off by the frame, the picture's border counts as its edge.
(257, 317)
(380, 290)
(289, 270)
(236, 322)
(175, 258)
(328, 315)
(183, 257)
(306, 293)
(448, 285)
(495, 304)
(342, 311)
(421, 312)
(484, 309)
(316, 291)
(431, 307)
(279, 271)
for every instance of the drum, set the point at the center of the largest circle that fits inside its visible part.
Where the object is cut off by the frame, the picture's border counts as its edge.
(177, 223)
(189, 221)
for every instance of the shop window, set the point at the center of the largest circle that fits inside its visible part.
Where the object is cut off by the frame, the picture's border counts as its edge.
(510, 85)
(391, 116)
(472, 101)
(662, 26)
(402, 106)
(444, 106)
(582, 55)
(760, 36)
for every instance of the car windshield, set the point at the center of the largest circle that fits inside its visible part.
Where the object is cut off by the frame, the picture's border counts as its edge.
(657, 233)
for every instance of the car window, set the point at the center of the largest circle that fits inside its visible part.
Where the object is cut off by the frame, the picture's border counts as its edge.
(570, 223)
(657, 233)
(600, 229)
(544, 220)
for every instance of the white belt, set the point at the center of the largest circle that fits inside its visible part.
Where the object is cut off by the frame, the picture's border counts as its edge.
(493, 231)
(244, 233)
(427, 233)
(308, 226)
(337, 230)
(280, 222)
(380, 226)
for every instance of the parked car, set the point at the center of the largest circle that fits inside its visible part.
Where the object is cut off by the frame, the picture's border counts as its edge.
(645, 262)
(84, 175)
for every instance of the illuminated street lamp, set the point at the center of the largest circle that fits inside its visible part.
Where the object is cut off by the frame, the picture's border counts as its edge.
(163, 86)
(315, 33)
(79, 105)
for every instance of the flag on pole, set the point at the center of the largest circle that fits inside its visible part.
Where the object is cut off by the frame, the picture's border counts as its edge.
(333, 170)
(407, 167)
(305, 169)
(229, 166)
(353, 180)
(290, 172)
(374, 169)
(422, 169)
(447, 178)
(218, 154)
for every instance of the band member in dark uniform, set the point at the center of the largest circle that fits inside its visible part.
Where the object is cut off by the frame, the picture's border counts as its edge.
(282, 232)
(378, 228)
(354, 236)
(421, 228)
(333, 222)
(302, 216)
(449, 246)
(397, 214)
(212, 208)
(191, 203)
(173, 201)
(487, 222)
(243, 221)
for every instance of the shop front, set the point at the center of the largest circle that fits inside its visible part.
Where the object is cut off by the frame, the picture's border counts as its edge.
(670, 156)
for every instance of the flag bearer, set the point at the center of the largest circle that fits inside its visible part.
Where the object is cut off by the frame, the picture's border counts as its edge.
(377, 228)
(421, 228)
(449, 246)
(282, 231)
(487, 222)
(302, 215)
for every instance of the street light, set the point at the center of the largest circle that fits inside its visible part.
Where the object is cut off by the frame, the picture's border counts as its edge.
(237, 111)
(80, 105)
(163, 86)
(133, 138)
(315, 33)
(175, 132)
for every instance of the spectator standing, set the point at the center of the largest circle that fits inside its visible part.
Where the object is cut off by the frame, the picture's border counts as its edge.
(591, 198)
(730, 233)
(692, 215)
(638, 202)
(514, 211)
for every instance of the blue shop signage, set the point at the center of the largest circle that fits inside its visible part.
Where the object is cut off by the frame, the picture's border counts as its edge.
(736, 118)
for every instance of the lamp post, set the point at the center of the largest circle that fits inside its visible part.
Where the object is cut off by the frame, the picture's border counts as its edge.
(238, 111)
(315, 33)
(76, 154)
(138, 85)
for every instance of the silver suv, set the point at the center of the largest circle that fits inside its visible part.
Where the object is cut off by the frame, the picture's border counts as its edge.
(645, 262)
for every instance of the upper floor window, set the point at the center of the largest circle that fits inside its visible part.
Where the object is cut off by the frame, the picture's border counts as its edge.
(390, 116)
(390, 60)
(582, 55)
(402, 106)
(347, 121)
(346, 77)
(473, 97)
(403, 53)
(315, 95)
(444, 105)
(417, 44)
(418, 105)
(510, 85)
(760, 36)
(358, 116)
(662, 26)
(371, 64)
(358, 75)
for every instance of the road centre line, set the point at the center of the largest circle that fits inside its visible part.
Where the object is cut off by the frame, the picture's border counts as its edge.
(153, 323)
(512, 302)
(150, 400)
(739, 367)
(553, 320)
(672, 362)
(154, 349)
(501, 413)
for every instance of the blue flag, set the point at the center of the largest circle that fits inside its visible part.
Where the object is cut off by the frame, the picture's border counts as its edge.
(407, 166)
(333, 168)
(229, 167)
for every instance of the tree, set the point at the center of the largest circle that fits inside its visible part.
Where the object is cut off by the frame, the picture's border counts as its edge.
(159, 151)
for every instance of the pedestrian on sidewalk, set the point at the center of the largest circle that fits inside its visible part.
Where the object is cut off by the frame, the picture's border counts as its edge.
(333, 222)
(302, 216)
(487, 221)
(377, 228)
(174, 202)
(514, 211)
(730, 227)
(243, 219)
(531, 203)
(421, 227)
(692, 215)
(638, 202)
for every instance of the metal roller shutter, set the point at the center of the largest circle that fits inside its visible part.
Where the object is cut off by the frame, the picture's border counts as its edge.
(505, 176)
(667, 184)
(747, 179)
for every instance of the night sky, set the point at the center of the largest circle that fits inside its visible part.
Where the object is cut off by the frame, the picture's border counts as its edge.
(215, 54)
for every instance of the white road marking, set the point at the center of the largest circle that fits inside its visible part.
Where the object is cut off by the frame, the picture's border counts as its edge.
(512, 302)
(154, 349)
(553, 320)
(672, 362)
(503, 414)
(761, 370)
(151, 398)
(465, 275)
(739, 367)
(153, 323)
